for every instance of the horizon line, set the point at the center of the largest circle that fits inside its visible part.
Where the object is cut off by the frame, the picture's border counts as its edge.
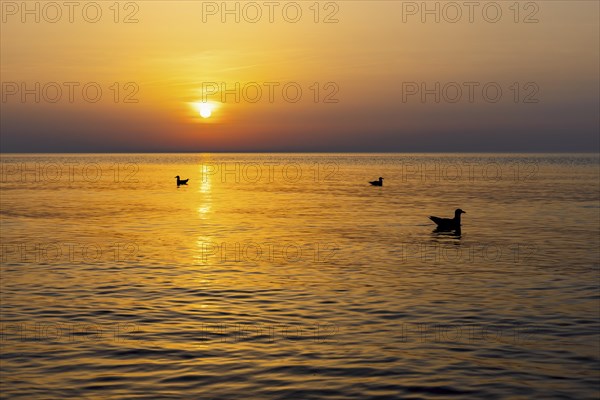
(597, 152)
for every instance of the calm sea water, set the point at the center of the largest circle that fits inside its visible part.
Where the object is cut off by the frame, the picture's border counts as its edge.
(288, 277)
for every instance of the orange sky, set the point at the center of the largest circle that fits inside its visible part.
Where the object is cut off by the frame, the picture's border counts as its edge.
(364, 62)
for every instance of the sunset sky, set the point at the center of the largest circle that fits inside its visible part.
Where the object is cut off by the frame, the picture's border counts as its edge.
(365, 65)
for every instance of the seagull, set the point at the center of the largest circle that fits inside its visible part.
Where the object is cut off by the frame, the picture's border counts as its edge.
(448, 224)
(377, 183)
(181, 181)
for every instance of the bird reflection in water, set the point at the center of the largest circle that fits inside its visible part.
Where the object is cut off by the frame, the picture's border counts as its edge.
(455, 233)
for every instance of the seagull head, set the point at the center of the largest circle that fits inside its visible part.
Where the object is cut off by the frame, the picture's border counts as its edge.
(459, 211)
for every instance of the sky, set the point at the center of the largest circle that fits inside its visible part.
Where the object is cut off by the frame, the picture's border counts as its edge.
(348, 76)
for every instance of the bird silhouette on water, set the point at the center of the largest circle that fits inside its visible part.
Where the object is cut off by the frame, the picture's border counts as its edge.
(181, 181)
(377, 183)
(448, 224)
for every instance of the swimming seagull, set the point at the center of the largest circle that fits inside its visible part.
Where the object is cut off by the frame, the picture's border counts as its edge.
(181, 181)
(447, 224)
(377, 183)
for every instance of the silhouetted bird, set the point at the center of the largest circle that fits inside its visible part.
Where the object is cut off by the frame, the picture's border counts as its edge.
(181, 181)
(447, 224)
(377, 183)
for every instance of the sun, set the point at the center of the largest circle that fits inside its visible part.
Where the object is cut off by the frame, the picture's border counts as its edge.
(205, 109)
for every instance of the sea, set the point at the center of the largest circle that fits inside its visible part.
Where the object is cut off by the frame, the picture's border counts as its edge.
(289, 276)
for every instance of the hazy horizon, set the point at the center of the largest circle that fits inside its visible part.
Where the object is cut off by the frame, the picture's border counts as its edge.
(306, 152)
